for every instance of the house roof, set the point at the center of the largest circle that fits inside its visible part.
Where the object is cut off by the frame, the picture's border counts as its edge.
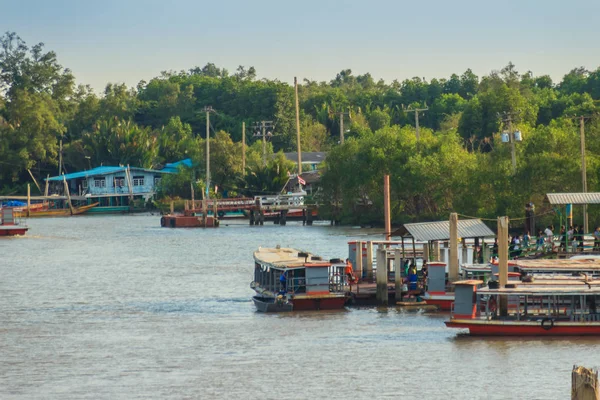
(307, 157)
(573, 198)
(100, 171)
(440, 230)
(173, 167)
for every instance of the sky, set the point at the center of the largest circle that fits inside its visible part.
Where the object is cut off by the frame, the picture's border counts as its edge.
(130, 40)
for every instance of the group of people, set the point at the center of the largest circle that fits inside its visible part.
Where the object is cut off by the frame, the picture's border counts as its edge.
(572, 239)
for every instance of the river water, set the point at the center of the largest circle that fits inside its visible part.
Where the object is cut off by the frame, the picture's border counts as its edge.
(118, 308)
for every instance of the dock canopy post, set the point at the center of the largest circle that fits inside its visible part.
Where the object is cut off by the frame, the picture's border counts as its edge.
(398, 273)
(382, 276)
(359, 260)
(370, 261)
(453, 258)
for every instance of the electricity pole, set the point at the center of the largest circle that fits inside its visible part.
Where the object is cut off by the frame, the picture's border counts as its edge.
(342, 126)
(298, 147)
(583, 169)
(506, 118)
(208, 110)
(416, 111)
(261, 130)
(243, 148)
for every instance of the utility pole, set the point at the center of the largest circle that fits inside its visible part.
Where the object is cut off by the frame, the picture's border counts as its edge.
(208, 110)
(342, 126)
(243, 148)
(416, 111)
(583, 169)
(261, 130)
(298, 147)
(506, 118)
(60, 159)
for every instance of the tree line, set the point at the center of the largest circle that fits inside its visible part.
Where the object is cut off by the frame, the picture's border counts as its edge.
(458, 164)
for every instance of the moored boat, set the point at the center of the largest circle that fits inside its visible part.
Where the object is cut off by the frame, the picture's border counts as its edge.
(287, 279)
(568, 309)
(9, 224)
(60, 212)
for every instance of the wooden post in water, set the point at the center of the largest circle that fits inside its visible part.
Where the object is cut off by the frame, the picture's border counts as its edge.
(386, 207)
(46, 189)
(453, 252)
(584, 384)
(370, 261)
(359, 260)
(398, 273)
(68, 194)
(382, 276)
(28, 198)
(503, 262)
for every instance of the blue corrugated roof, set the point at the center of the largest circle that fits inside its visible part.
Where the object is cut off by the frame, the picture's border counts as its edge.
(172, 167)
(101, 171)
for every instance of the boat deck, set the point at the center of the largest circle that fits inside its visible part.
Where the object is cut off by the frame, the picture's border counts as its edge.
(283, 257)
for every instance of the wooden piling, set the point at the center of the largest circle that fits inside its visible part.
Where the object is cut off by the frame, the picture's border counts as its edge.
(382, 276)
(584, 384)
(386, 207)
(503, 262)
(68, 194)
(398, 273)
(359, 260)
(453, 253)
(426, 252)
(28, 198)
(436, 251)
(172, 207)
(370, 261)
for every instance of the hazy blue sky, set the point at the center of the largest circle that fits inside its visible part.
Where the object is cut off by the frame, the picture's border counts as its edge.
(127, 41)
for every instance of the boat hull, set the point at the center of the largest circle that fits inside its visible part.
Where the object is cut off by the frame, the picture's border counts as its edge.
(327, 303)
(502, 328)
(268, 304)
(12, 230)
(442, 301)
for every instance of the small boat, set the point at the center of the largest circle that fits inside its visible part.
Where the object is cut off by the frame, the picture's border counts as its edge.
(568, 309)
(61, 212)
(9, 224)
(270, 304)
(287, 279)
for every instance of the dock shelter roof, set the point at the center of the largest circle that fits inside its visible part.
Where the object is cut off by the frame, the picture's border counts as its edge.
(440, 230)
(573, 198)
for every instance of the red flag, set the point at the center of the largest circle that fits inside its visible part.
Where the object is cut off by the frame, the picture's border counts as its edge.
(301, 181)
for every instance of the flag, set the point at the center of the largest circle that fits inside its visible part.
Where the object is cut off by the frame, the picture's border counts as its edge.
(301, 181)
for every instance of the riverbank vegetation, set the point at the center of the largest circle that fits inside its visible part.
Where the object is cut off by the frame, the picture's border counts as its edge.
(458, 164)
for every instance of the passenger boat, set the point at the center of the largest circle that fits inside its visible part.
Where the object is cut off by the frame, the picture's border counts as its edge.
(9, 224)
(309, 283)
(561, 309)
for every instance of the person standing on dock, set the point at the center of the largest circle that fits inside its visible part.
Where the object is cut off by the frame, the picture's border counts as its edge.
(549, 237)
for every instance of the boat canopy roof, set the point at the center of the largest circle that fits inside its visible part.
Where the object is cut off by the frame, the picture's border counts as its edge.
(283, 258)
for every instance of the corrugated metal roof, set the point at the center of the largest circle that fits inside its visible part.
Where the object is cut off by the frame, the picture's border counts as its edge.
(440, 230)
(100, 171)
(573, 198)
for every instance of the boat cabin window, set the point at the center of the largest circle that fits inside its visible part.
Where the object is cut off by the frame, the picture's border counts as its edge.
(100, 182)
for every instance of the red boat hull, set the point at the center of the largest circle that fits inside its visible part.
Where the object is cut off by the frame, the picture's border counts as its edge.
(442, 305)
(12, 231)
(329, 303)
(559, 329)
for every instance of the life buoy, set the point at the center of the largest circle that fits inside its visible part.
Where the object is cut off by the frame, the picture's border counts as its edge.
(547, 323)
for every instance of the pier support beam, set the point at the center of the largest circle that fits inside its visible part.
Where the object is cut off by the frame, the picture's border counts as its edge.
(382, 276)
(436, 251)
(359, 260)
(503, 263)
(282, 218)
(584, 384)
(453, 253)
(370, 261)
(398, 273)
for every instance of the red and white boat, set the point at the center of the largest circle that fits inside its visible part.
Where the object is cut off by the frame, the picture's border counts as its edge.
(567, 308)
(308, 282)
(9, 224)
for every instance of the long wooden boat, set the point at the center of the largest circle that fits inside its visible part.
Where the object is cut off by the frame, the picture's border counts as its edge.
(568, 309)
(62, 212)
(9, 225)
(290, 278)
